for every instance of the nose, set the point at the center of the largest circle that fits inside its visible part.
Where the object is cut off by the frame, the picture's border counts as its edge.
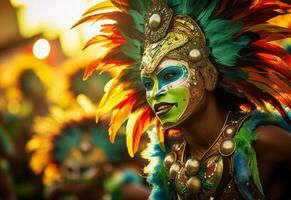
(159, 93)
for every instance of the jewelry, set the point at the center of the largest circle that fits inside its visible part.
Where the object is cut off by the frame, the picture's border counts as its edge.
(193, 175)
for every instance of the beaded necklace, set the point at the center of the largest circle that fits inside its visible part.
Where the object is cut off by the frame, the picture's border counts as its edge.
(193, 176)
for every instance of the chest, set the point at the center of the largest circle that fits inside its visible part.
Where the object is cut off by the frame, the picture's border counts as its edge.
(211, 175)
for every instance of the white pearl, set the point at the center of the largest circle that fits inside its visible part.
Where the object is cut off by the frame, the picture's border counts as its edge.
(155, 21)
(195, 55)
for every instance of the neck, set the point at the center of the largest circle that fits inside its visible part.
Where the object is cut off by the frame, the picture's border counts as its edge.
(203, 127)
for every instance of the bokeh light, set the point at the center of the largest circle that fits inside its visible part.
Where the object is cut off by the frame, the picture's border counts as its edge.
(41, 48)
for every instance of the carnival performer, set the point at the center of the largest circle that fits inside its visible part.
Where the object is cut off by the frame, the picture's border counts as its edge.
(76, 161)
(217, 88)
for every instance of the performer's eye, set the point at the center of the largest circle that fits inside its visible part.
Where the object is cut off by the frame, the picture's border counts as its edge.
(148, 85)
(147, 82)
(169, 76)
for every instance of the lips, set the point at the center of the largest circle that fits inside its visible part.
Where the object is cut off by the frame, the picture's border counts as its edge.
(163, 108)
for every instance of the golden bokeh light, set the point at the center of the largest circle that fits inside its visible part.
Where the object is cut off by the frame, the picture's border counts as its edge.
(41, 49)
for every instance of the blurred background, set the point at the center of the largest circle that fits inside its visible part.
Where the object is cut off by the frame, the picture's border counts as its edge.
(50, 146)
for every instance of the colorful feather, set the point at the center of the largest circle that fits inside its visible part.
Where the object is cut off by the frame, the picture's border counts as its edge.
(238, 34)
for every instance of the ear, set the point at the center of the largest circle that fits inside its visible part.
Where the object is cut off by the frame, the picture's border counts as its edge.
(209, 75)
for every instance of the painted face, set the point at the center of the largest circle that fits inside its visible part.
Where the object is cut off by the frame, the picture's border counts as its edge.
(84, 162)
(173, 91)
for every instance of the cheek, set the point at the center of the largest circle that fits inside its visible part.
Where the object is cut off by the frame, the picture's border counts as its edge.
(197, 87)
(197, 94)
(150, 101)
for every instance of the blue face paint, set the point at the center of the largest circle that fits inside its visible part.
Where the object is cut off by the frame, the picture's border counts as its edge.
(165, 77)
(169, 75)
(148, 83)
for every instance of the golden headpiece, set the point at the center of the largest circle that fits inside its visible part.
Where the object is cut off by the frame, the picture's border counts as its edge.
(177, 36)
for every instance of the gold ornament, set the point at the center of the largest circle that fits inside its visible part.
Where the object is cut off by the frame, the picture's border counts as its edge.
(195, 55)
(179, 36)
(192, 166)
(170, 158)
(227, 146)
(177, 146)
(159, 11)
(229, 131)
(175, 168)
(194, 185)
(155, 21)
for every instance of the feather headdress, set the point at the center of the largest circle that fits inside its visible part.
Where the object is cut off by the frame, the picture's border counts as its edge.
(238, 35)
(61, 131)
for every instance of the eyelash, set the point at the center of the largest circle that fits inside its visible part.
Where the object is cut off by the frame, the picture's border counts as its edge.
(147, 85)
(172, 74)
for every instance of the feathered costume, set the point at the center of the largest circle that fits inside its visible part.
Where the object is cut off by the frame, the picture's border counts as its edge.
(68, 147)
(238, 37)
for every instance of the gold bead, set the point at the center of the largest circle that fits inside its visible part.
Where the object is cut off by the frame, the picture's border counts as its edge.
(194, 185)
(177, 146)
(170, 158)
(192, 166)
(155, 21)
(85, 146)
(195, 55)
(227, 147)
(229, 131)
(174, 169)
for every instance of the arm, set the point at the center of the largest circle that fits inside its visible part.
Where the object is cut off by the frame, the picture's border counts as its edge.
(273, 150)
(135, 192)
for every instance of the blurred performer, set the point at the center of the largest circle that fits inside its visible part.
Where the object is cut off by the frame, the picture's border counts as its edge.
(26, 89)
(28, 84)
(72, 83)
(6, 152)
(207, 68)
(77, 161)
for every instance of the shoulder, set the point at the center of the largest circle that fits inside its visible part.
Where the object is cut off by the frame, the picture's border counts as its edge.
(273, 143)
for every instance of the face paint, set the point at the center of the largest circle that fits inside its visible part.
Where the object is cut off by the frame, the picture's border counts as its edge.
(171, 91)
(84, 162)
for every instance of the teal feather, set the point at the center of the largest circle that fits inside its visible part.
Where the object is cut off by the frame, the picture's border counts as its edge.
(219, 32)
(158, 176)
(64, 143)
(70, 138)
(189, 7)
(132, 49)
(138, 20)
(220, 35)
(205, 16)
(115, 153)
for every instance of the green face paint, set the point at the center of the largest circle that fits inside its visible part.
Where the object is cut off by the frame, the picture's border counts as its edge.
(178, 98)
(166, 92)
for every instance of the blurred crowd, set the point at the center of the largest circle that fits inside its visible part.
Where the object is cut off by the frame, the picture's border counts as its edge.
(50, 144)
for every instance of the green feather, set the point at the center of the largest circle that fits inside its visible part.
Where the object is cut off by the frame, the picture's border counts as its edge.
(205, 15)
(132, 48)
(244, 140)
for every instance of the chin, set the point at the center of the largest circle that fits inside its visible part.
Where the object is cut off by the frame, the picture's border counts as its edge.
(168, 125)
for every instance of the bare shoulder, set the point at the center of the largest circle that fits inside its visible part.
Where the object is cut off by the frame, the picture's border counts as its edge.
(274, 143)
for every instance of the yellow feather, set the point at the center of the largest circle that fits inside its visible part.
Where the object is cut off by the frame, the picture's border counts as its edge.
(51, 175)
(38, 161)
(160, 134)
(119, 116)
(111, 98)
(129, 131)
(102, 6)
